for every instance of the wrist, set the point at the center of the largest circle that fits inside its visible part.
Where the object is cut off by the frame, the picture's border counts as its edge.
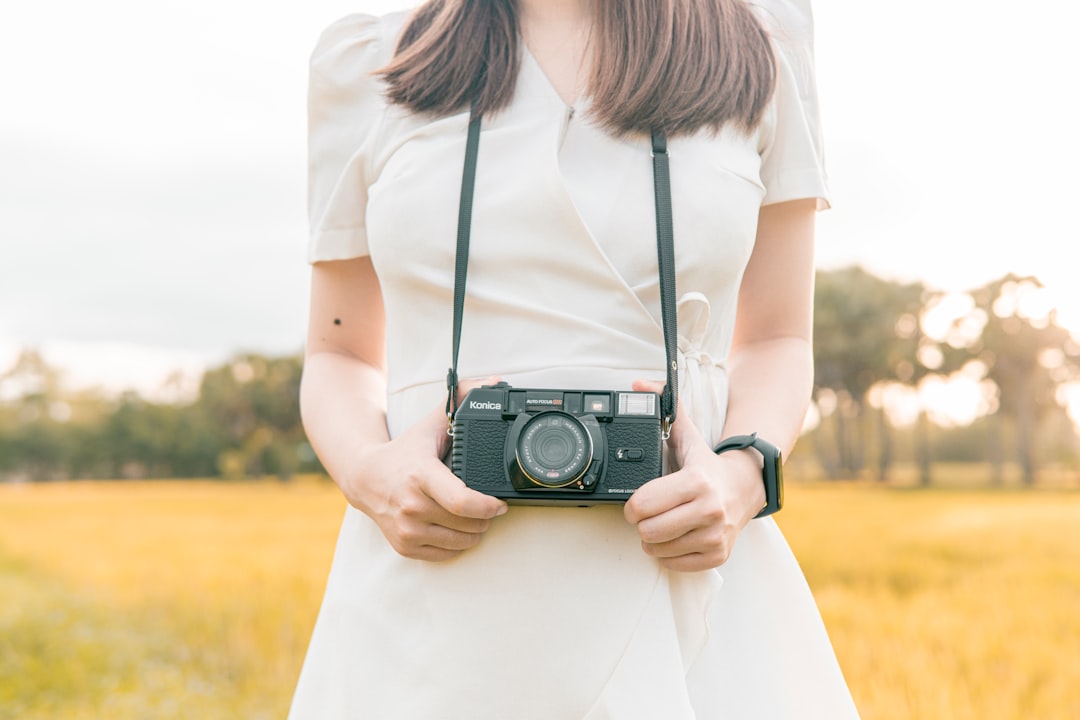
(358, 481)
(742, 470)
(769, 464)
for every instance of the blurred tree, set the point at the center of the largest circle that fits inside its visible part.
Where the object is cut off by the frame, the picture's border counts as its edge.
(35, 445)
(244, 421)
(1025, 353)
(253, 403)
(41, 449)
(866, 331)
(34, 385)
(145, 439)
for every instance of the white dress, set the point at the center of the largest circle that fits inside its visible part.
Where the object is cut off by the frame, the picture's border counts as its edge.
(557, 614)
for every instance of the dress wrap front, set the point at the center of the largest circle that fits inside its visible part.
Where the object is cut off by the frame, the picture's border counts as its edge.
(557, 613)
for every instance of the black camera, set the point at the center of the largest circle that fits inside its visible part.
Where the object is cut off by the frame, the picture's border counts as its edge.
(557, 447)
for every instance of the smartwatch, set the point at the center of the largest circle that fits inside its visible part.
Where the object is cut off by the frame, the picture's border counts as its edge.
(772, 472)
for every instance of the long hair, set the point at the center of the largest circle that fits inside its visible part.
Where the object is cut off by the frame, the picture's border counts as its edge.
(675, 65)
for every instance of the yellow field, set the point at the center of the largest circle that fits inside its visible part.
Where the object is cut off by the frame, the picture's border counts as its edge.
(195, 600)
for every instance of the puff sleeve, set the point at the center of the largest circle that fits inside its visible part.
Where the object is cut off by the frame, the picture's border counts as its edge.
(345, 103)
(791, 147)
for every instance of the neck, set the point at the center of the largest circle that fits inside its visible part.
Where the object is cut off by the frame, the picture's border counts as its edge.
(553, 11)
(557, 32)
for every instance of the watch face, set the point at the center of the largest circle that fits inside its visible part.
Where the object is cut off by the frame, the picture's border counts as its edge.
(778, 472)
(772, 474)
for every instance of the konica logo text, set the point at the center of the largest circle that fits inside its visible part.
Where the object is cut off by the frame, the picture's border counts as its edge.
(475, 405)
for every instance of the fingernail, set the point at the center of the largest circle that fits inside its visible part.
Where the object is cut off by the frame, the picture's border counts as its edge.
(502, 510)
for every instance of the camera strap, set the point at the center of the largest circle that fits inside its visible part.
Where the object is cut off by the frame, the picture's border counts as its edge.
(665, 248)
(461, 260)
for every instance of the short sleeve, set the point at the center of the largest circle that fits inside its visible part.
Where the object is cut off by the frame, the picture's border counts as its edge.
(792, 152)
(345, 102)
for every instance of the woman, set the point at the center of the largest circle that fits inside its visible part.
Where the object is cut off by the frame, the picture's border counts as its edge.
(442, 601)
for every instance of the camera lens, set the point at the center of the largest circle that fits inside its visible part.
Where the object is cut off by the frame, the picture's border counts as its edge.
(554, 449)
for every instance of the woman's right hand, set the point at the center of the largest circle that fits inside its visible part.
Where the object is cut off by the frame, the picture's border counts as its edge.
(424, 510)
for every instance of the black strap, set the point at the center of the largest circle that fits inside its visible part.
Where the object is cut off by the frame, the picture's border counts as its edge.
(665, 252)
(461, 260)
(665, 260)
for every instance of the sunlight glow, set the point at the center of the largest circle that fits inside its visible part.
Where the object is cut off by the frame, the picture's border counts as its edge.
(953, 318)
(1069, 396)
(945, 310)
(1026, 300)
(900, 402)
(958, 399)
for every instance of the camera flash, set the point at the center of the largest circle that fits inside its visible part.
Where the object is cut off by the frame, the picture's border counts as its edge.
(637, 404)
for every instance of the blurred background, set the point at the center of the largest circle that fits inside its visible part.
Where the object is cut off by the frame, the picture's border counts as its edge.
(153, 297)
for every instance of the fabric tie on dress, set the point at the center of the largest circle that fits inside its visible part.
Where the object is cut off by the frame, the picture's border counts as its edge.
(703, 379)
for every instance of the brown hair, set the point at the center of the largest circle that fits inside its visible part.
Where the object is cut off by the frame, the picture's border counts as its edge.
(675, 65)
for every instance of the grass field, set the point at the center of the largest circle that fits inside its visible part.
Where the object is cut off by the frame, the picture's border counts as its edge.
(195, 600)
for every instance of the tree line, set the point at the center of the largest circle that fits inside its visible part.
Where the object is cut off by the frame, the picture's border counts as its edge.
(244, 422)
(881, 348)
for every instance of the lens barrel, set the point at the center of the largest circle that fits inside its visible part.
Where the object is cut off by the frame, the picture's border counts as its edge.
(554, 449)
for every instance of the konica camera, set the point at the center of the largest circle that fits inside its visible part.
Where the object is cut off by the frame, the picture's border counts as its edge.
(557, 447)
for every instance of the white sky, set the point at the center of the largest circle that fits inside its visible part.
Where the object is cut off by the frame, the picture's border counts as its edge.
(152, 165)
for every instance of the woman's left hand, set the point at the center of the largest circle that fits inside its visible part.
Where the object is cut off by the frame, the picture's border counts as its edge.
(690, 518)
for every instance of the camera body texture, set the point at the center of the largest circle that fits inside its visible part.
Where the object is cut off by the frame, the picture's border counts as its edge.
(557, 447)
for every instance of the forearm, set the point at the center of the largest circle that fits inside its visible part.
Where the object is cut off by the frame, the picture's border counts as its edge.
(770, 382)
(343, 408)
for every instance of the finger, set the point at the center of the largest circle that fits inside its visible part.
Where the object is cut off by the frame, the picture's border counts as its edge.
(660, 496)
(465, 386)
(450, 493)
(692, 562)
(419, 510)
(445, 518)
(695, 541)
(428, 553)
(445, 538)
(416, 538)
(673, 524)
(643, 385)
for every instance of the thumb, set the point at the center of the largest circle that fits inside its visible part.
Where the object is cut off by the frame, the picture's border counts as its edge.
(656, 386)
(683, 431)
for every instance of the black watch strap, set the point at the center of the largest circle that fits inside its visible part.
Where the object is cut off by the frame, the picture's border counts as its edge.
(772, 471)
